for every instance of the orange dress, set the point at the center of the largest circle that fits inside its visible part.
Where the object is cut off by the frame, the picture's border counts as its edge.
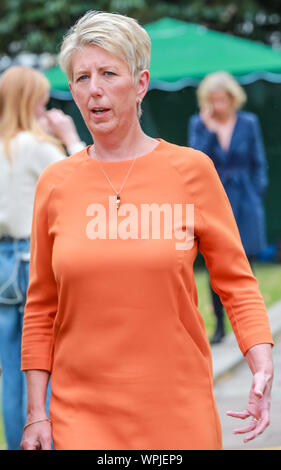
(112, 308)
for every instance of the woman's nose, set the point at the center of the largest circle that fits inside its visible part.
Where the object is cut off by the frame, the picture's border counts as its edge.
(95, 86)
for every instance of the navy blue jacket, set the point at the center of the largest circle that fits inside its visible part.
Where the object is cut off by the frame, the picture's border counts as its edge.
(243, 173)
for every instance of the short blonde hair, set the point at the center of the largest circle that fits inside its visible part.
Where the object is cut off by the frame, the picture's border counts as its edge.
(221, 81)
(117, 34)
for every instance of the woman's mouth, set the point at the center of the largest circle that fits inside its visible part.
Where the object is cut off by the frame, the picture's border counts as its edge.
(100, 111)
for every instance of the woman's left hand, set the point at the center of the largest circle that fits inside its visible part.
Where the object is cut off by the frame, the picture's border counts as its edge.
(260, 361)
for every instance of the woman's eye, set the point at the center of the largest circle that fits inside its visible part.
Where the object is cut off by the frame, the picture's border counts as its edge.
(82, 78)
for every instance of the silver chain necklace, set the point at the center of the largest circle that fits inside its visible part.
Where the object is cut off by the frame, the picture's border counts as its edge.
(118, 200)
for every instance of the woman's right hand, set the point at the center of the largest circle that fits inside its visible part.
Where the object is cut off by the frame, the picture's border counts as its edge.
(37, 436)
(62, 126)
(206, 114)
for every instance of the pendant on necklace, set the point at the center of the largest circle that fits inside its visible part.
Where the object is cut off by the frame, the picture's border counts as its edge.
(118, 201)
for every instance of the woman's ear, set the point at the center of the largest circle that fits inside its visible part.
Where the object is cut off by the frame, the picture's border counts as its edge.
(142, 85)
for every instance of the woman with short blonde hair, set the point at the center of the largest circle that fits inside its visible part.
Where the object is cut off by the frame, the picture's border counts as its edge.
(117, 34)
(112, 311)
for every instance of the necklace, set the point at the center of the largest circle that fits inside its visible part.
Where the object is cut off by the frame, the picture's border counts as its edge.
(118, 199)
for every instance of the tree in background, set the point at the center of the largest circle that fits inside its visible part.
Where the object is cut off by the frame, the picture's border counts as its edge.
(39, 25)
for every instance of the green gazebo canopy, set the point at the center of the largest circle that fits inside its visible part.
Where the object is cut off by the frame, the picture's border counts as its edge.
(183, 51)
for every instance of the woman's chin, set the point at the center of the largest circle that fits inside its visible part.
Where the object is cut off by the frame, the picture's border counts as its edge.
(101, 129)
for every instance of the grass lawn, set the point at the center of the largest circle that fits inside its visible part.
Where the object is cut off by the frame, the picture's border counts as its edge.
(269, 279)
(268, 276)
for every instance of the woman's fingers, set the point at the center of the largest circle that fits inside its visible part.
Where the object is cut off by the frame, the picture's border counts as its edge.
(239, 414)
(261, 424)
(248, 428)
(256, 426)
(28, 444)
(46, 444)
(37, 437)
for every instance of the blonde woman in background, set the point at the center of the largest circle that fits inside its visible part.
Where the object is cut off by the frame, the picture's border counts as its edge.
(30, 139)
(232, 138)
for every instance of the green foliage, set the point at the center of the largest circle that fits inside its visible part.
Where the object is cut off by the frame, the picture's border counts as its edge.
(39, 25)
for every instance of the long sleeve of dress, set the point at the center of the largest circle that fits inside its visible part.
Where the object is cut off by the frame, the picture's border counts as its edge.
(42, 291)
(230, 273)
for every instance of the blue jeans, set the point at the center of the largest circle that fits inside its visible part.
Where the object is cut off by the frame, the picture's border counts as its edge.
(14, 277)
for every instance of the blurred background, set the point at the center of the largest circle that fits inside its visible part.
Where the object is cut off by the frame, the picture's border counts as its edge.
(190, 39)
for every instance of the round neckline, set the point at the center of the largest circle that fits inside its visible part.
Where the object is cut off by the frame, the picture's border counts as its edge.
(122, 162)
